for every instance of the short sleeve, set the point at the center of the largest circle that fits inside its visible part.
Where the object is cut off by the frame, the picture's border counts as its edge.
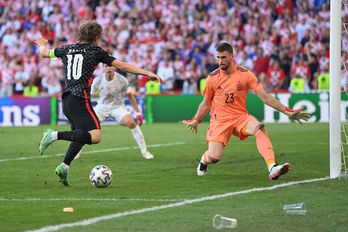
(253, 83)
(104, 57)
(59, 51)
(208, 91)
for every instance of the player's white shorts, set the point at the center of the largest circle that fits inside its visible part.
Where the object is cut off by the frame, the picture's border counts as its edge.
(104, 112)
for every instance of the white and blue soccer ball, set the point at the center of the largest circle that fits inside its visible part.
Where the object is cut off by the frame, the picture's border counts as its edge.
(100, 176)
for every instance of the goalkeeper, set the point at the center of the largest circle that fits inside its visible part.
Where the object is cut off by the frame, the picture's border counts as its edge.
(225, 95)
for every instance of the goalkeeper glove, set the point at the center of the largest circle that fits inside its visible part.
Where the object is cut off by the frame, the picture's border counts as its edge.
(139, 118)
(297, 114)
(192, 124)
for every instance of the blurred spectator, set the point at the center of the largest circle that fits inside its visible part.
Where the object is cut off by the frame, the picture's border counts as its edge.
(179, 66)
(190, 79)
(301, 28)
(285, 64)
(312, 64)
(323, 80)
(202, 85)
(301, 69)
(166, 71)
(153, 88)
(246, 61)
(21, 79)
(261, 62)
(51, 85)
(31, 90)
(275, 76)
(7, 80)
(210, 65)
(10, 39)
(298, 85)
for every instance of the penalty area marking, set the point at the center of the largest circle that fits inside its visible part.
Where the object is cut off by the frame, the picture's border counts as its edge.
(95, 220)
(95, 151)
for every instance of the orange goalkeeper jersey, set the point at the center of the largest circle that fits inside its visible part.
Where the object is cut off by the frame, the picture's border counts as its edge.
(229, 93)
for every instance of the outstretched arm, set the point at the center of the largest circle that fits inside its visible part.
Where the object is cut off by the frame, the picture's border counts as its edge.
(203, 109)
(41, 42)
(296, 114)
(126, 67)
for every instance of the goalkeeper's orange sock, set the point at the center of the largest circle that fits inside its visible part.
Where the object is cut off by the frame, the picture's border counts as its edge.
(265, 148)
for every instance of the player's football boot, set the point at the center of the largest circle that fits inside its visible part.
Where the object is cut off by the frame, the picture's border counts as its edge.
(147, 155)
(45, 141)
(62, 173)
(202, 169)
(278, 170)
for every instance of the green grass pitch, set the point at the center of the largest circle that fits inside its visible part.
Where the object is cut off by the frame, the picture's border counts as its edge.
(32, 198)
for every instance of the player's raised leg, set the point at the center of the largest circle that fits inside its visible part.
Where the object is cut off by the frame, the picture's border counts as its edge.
(46, 140)
(78, 135)
(212, 155)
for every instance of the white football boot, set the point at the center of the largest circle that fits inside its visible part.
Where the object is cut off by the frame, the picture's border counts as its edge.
(278, 170)
(202, 169)
(147, 155)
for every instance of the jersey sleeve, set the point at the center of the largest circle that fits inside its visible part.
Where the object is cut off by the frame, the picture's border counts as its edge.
(208, 91)
(59, 51)
(96, 84)
(253, 83)
(104, 57)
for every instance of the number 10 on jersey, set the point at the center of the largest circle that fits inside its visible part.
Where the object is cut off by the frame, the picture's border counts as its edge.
(74, 66)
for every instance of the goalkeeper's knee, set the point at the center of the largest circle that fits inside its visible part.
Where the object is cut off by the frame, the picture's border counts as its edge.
(259, 127)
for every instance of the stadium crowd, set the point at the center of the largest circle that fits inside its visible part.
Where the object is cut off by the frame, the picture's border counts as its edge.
(284, 42)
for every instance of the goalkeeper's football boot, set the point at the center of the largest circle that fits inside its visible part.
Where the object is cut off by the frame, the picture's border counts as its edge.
(278, 170)
(202, 169)
(45, 141)
(63, 174)
(147, 155)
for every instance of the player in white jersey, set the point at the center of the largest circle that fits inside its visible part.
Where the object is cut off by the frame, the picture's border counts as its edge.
(112, 88)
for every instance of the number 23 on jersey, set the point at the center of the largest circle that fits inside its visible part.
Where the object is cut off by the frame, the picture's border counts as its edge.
(229, 98)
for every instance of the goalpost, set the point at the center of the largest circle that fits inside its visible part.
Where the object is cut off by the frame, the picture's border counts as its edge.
(344, 75)
(338, 51)
(335, 89)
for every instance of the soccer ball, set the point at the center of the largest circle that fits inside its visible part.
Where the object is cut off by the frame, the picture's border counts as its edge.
(100, 176)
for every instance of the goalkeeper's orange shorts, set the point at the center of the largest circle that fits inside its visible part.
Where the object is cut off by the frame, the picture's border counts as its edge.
(222, 131)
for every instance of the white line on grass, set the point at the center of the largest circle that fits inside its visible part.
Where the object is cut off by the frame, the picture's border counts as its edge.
(94, 220)
(134, 147)
(92, 152)
(91, 199)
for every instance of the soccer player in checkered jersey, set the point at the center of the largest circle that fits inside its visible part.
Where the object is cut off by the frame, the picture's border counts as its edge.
(225, 95)
(79, 61)
(112, 88)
